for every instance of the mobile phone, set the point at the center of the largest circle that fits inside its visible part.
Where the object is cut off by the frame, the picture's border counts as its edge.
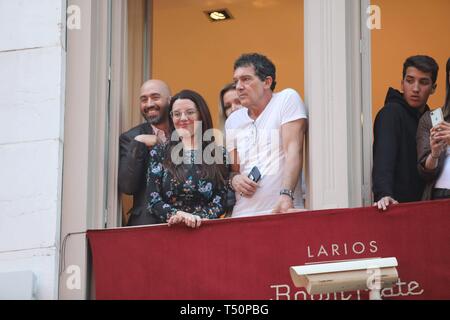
(436, 117)
(255, 175)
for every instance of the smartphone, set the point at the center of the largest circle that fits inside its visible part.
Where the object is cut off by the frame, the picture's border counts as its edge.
(436, 117)
(255, 175)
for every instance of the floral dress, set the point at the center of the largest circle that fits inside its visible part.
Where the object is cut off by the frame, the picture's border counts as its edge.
(195, 195)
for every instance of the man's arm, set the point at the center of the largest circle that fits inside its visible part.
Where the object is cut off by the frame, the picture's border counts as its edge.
(385, 150)
(292, 135)
(240, 183)
(132, 165)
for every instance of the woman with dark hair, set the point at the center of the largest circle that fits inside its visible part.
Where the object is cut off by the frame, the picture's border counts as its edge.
(187, 177)
(229, 100)
(433, 150)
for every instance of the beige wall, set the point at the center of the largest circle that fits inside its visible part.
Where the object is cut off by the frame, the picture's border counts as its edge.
(189, 52)
(408, 28)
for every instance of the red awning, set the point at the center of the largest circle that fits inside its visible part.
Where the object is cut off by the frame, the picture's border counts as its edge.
(249, 258)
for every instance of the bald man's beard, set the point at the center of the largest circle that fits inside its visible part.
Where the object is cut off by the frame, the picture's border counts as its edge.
(162, 117)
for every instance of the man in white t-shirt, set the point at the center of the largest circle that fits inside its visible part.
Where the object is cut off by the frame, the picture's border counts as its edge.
(267, 134)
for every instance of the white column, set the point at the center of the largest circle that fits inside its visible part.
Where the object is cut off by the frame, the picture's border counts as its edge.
(32, 64)
(85, 144)
(333, 97)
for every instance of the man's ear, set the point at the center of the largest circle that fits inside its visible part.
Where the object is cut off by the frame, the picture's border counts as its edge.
(268, 82)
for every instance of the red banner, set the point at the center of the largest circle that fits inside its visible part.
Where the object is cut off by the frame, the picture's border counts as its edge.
(249, 258)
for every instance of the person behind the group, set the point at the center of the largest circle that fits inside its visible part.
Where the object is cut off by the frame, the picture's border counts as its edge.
(134, 148)
(229, 100)
(433, 150)
(394, 174)
(187, 176)
(229, 103)
(268, 134)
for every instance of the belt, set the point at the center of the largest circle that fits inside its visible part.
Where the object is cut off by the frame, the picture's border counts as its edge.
(441, 193)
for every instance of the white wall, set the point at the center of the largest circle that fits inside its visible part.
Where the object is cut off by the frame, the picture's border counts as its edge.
(32, 64)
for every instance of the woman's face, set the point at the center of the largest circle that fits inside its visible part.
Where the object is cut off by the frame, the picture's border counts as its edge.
(185, 114)
(231, 102)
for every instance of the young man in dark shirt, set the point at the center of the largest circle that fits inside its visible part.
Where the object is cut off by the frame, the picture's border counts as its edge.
(395, 176)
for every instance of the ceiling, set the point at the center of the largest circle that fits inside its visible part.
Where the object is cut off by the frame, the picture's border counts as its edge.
(191, 52)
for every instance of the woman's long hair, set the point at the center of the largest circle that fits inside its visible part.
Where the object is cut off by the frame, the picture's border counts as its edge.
(222, 113)
(446, 106)
(225, 89)
(217, 172)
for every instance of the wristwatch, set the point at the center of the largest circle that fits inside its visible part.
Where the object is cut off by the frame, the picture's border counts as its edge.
(287, 192)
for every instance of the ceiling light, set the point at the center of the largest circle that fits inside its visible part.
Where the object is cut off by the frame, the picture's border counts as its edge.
(218, 15)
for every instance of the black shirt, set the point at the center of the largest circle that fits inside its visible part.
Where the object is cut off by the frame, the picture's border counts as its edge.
(395, 171)
(133, 164)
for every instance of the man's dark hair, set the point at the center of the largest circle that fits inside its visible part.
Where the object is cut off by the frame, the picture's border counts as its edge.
(263, 66)
(423, 63)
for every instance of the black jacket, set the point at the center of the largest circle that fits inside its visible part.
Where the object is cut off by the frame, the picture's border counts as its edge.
(133, 165)
(395, 171)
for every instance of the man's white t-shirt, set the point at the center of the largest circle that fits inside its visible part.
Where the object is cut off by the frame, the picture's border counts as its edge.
(258, 143)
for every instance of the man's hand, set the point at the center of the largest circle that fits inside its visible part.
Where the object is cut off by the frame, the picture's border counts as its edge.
(244, 185)
(284, 204)
(384, 203)
(149, 140)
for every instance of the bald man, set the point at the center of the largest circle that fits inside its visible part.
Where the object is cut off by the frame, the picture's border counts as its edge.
(135, 144)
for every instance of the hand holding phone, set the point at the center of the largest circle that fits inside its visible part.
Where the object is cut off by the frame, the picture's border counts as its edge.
(436, 117)
(255, 175)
